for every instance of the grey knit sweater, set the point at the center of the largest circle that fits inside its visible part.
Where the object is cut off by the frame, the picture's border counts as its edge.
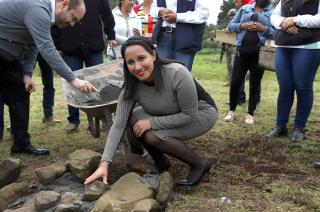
(25, 29)
(175, 105)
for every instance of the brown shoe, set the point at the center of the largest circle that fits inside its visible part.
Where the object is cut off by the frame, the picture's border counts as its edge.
(51, 119)
(72, 128)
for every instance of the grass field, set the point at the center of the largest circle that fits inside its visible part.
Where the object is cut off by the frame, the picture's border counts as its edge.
(250, 174)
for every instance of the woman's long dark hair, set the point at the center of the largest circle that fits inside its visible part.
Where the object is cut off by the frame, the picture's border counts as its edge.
(130, 81)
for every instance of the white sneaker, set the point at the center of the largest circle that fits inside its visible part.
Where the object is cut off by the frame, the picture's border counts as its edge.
(231, 116)
(249, 119)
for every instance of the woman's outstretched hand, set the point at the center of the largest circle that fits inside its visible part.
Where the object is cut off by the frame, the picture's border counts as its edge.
(101, 172)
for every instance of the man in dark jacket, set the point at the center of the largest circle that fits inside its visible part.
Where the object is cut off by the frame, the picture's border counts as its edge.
(179, 29)
(84, 44)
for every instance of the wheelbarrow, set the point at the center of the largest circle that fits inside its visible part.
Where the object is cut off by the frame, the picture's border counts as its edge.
(99, 106)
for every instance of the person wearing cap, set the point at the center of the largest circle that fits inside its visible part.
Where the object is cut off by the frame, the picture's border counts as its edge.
(242, 93)
(252, 27)
(179, 30)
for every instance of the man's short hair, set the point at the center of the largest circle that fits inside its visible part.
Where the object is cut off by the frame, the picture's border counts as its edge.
(74, 3)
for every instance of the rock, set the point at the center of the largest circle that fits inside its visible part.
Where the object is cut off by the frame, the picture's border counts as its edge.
(146, 205)
(116, 170)
(49, 174)
(67, 208)
(12, 193)
(9, 171)
(69, 197)
(46, 199)
(225, 200)
(28, 206)
(94, 191)
(17, 204)
(165, 187)
(124, 194)
(82, 163)
(135, 162)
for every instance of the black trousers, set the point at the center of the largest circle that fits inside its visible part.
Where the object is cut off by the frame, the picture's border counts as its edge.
(244, 61)
(17, 99)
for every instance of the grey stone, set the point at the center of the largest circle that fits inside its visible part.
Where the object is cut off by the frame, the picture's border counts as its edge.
(165, 187)
(135, 162)
(47, 175)
(116, 170)
(10, 169)
(28, 206)
(12, 193)
(46, 199)
(124, 194)
(69, 197)
(146, 205)
(94, 191)
(67, 208)
(82, 163)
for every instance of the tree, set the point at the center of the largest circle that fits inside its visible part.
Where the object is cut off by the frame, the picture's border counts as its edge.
(223, 19)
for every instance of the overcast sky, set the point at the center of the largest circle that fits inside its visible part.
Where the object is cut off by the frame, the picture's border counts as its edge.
(214, 6)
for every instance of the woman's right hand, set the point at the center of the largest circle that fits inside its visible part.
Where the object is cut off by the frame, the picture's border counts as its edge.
(101, 172)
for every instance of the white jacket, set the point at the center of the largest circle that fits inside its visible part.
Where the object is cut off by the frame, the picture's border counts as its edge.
(124, 29)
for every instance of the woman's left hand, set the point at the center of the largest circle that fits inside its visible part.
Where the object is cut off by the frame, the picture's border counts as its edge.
(259, 27)
(141, 126)
(286, 23)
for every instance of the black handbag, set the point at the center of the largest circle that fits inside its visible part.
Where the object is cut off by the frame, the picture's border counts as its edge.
(304, 36)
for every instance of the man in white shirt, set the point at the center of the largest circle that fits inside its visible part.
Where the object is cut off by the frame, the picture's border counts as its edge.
(179, 30)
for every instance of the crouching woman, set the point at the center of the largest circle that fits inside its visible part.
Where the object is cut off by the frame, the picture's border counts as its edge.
(172, 108)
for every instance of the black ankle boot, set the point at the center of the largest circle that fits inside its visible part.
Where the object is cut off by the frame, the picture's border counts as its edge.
(277, 132)
(203, 170)
(298, 135)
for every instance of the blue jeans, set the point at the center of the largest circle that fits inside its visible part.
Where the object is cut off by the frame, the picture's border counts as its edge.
(47, 76)
(296, 70)
(76, 62)
(166, 49)
(1, 117)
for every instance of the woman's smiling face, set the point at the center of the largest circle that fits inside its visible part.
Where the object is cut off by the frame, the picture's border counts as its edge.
(140, 62)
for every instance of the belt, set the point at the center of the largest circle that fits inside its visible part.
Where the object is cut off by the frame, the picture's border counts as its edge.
(168, 29)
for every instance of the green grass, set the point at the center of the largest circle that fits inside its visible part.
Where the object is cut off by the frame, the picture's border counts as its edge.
(255, 174)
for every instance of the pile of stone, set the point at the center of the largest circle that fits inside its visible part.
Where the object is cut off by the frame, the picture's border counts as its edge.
(134, 185)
